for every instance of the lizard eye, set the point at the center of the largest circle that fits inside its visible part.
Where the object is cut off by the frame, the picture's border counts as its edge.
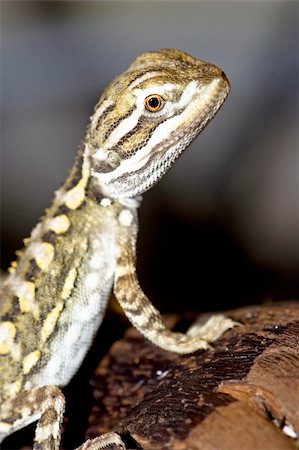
(154, 102)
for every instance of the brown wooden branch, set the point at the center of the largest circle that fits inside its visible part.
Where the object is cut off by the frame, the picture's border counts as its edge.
(242, 395)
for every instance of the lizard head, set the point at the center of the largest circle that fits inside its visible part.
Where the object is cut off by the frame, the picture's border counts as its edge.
(148, 115)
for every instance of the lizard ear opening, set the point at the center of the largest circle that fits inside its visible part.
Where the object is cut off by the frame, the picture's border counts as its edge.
(105, 161)
(113, 159)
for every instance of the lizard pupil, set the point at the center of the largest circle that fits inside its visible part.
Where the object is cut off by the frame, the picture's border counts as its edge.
(154, 103)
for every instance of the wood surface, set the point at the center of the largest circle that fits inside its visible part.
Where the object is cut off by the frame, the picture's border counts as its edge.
(243, 394)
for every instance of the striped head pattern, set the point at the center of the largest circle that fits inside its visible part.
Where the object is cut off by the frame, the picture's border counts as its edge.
(148, 115)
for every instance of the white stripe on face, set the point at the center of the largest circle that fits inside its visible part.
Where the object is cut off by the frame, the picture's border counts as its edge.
(124, 127)
(99, 112)
(141, 94)
(144, 77)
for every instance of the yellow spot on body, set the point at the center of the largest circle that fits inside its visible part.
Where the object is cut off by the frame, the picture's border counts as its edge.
(26, 293)
(25, 305)
(12, 389)
(30, 360)
(43, 253)
(26, 241)
(76, 196)
(7, 334)
(50, 322)
(59, 224)
(13, 266)
(69, 284)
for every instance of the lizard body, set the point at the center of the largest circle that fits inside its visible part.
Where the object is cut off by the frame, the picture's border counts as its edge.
(55, 295)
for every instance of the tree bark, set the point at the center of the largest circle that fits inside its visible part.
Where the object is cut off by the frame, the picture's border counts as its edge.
(242, 394)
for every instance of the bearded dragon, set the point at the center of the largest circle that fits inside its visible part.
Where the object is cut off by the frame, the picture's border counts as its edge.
(54, 297)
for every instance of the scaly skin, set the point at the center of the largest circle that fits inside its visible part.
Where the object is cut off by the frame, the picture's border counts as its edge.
(54, 298)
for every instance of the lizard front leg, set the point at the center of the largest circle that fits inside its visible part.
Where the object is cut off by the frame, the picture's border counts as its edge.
(140, 311)
(44, 404)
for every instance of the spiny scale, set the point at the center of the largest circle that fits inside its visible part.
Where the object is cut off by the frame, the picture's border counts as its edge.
(54, 298)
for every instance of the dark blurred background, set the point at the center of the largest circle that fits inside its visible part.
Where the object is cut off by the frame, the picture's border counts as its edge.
(222, 228)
